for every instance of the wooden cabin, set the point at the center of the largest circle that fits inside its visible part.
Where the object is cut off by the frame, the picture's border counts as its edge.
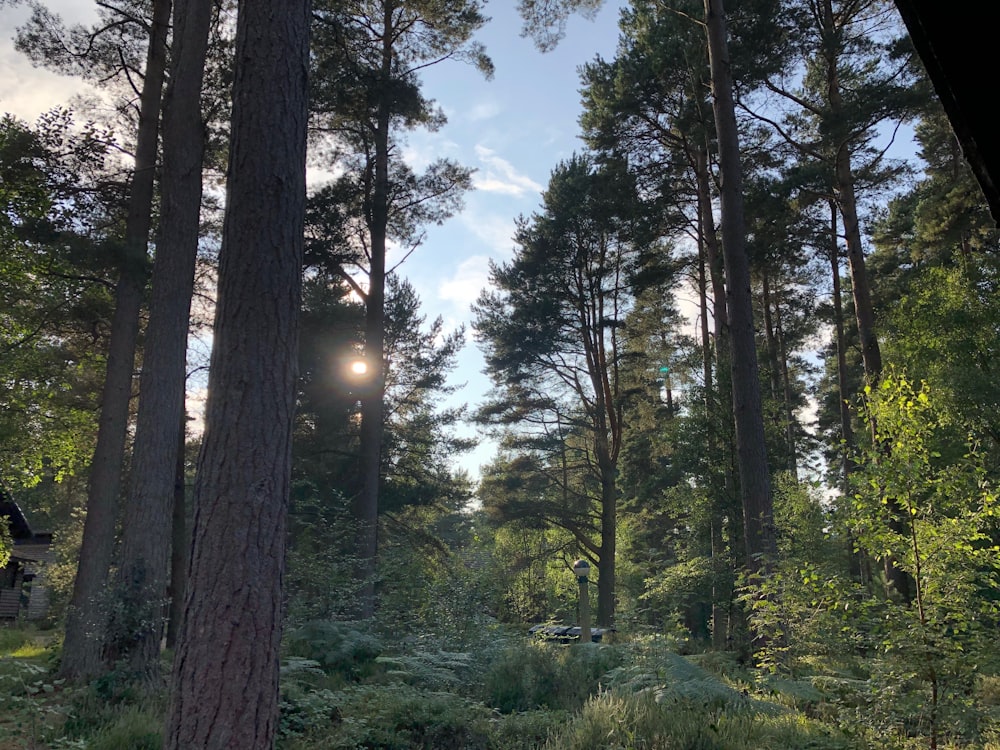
(22, 581)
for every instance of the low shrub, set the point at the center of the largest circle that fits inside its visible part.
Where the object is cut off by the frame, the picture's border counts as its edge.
(395, 717)
(525, 730)
(537, 674)
(345, 648)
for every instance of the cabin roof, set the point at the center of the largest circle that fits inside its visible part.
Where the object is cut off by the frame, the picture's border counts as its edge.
(956, 45)
(20, 529)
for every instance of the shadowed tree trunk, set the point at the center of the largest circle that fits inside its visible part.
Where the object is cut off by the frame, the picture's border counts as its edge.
(86, 617)
(897, 580)
(755, 480)
(373, 400)
(146, 538)
(178, 543)
(225, 678)
(846, 430)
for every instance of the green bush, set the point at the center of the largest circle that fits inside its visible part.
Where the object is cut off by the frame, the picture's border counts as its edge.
(431, 670)
(535, 674)
(670, 676)
(304, 712)
(337, 647)
(525, 730)
(396, 717)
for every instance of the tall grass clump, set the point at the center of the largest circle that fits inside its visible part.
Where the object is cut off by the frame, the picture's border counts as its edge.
(135, 728)
(618, 720)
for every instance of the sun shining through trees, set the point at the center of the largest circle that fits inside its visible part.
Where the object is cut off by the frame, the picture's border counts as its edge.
(324, 570)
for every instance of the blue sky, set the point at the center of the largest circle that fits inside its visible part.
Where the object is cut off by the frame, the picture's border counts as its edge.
(512, 130)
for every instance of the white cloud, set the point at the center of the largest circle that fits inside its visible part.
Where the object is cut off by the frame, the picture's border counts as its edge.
(493, 230)
(486, 110)
(27, 92)
(465, 284)
(426, 148)
(317, 176)
(500, 176)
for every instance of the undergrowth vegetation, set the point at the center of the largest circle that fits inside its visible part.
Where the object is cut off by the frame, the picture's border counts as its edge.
(345, 686)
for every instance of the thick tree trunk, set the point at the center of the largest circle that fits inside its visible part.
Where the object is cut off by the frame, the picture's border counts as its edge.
(146, 539)
(86, 620)
(225, 678)
(755, 480)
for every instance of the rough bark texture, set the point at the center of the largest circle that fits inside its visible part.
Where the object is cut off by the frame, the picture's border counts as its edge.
(755, 480)
(146, 538)
(225, 680)
(86, 618)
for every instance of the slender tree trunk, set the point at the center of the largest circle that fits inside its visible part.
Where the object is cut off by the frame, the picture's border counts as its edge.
(711, 269)
(718, 615)
(713, 253)
(897, 579)
(145, 552)
(846, 430)
(706, 339)
(755, 480)
(786, 393)
(871, 354)
(225, 678)
(178, 542)
(847, 201)
(770, 337)
(87, 616)
(859, 564)
(373, 402)
(609, 525)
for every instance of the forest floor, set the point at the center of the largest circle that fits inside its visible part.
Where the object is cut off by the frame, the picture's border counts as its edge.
(341, 691)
